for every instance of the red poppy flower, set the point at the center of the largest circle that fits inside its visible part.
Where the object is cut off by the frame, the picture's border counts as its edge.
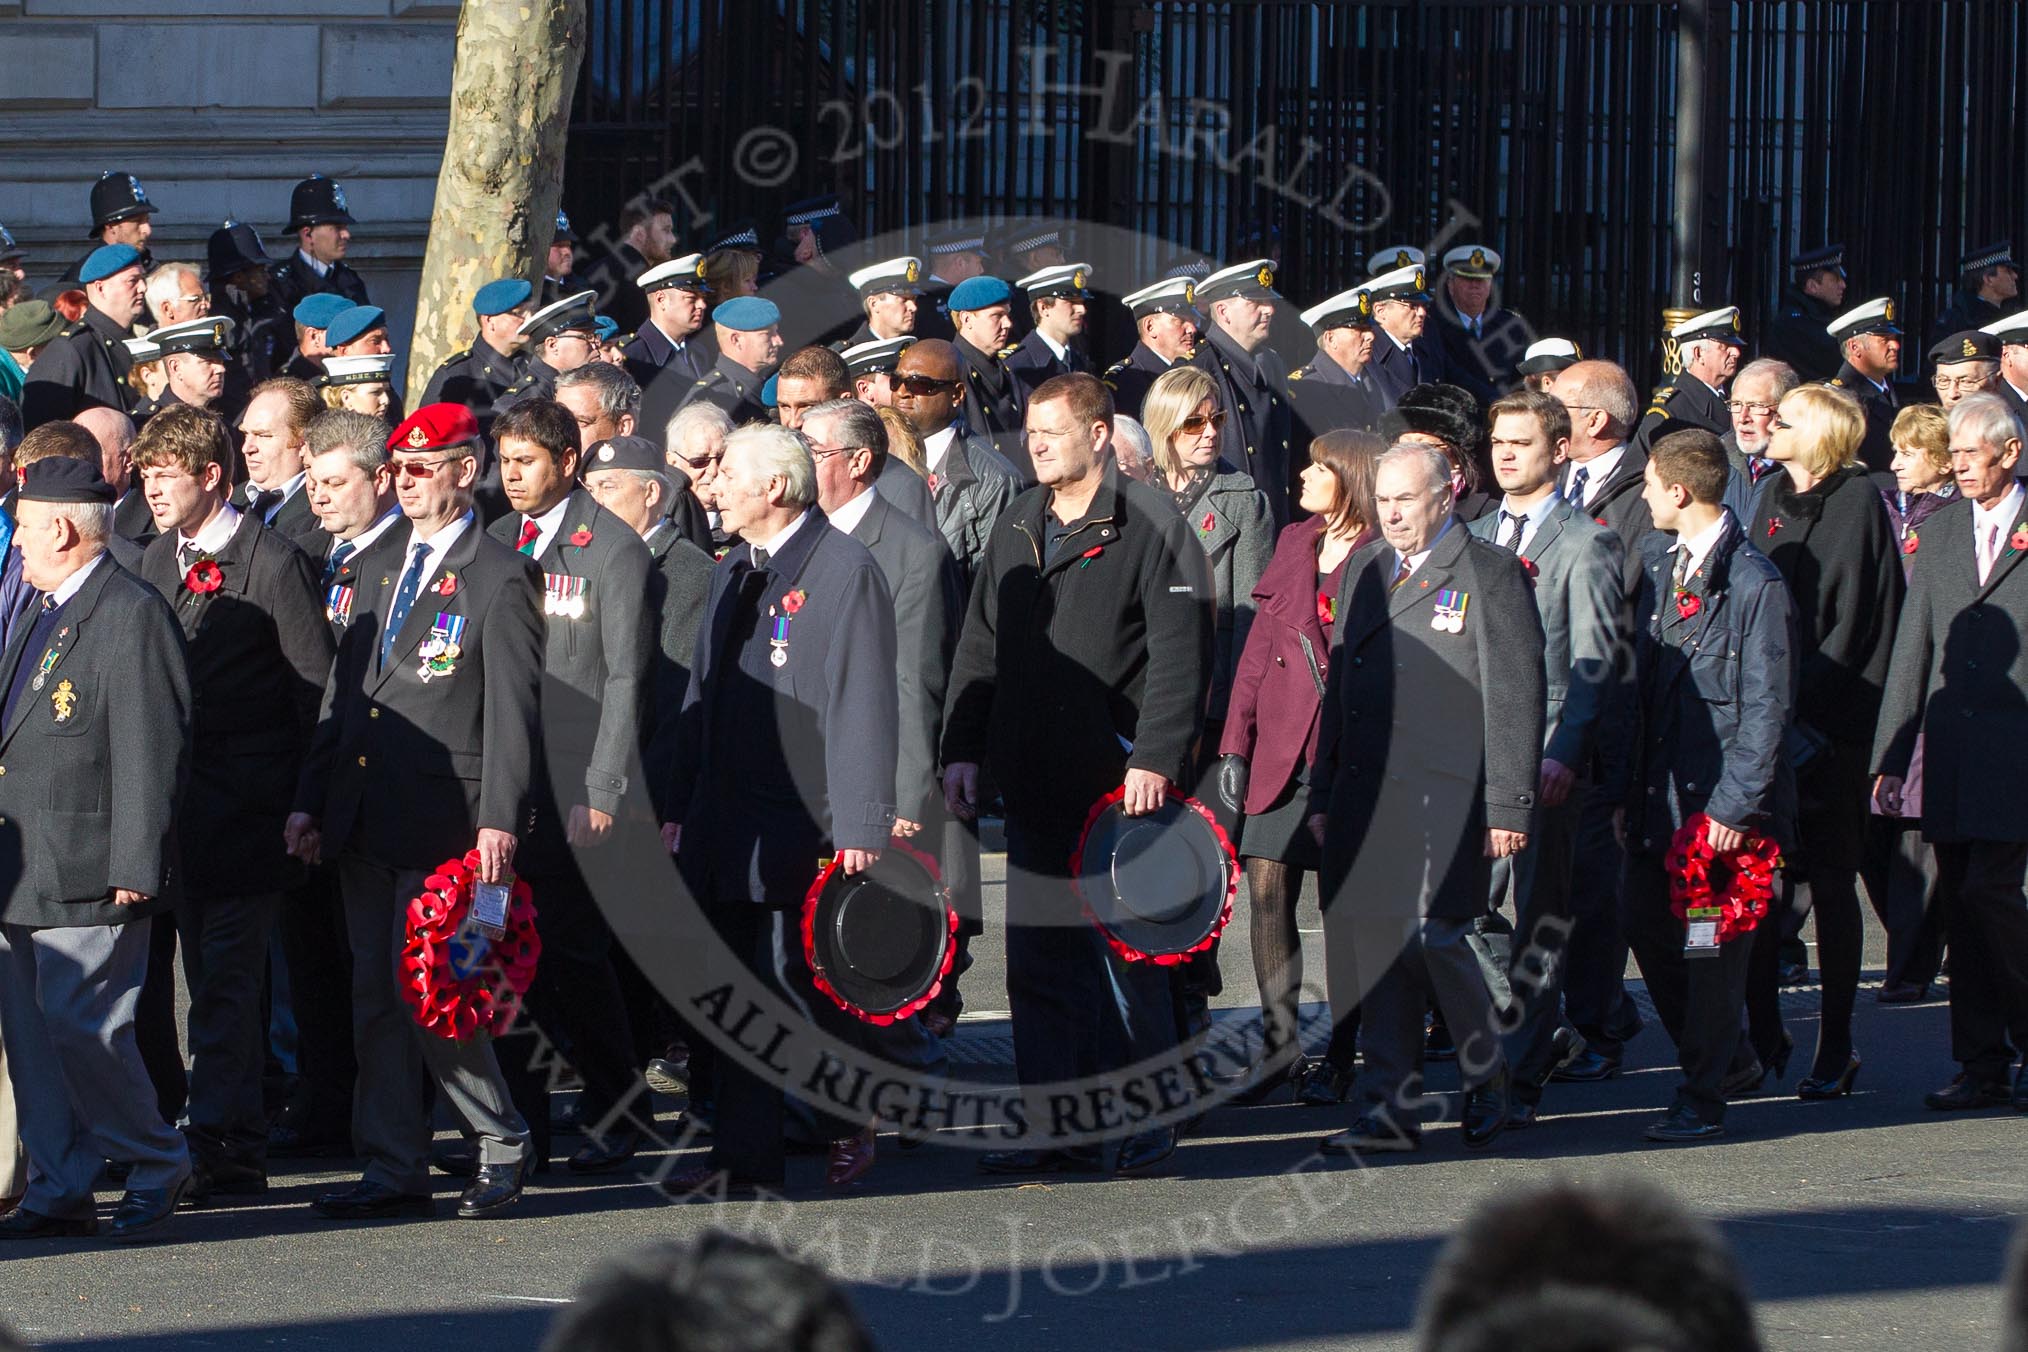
(1908, 545)
(1774, 524)
(934, 484)
(1210, 520)
(204, 576)
(1094, 551)
(446, 584)
(2019, 539)
(581, 537)
(1327, 609)
(793, 602)
(1601, 520)
(1528, 567)
(1688, 605)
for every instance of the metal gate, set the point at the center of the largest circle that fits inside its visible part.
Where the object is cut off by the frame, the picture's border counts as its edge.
(1319, 130)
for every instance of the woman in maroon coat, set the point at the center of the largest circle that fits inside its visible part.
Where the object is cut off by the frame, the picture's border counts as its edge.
(1271, 738)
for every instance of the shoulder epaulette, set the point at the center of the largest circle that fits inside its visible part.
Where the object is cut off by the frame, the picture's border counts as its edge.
(1297, 374)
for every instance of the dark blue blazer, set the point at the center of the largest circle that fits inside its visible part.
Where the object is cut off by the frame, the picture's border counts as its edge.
(777, 767)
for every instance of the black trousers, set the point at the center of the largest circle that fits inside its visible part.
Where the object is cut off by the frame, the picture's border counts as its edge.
(1983, 885)
(1700, 1000)
(155, 1024)
(1533, 952)
(311, 924)
(575, 1001)
(1901, 882)
(1595, 998)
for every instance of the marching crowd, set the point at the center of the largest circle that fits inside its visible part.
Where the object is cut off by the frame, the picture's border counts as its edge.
(795, 562)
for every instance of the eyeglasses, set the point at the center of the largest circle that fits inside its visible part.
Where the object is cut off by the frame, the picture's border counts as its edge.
(700, 461)
(922, 385)
(826, 452)
(1197, 422)
(1949, 383)
(419, 469)
(1739, 406)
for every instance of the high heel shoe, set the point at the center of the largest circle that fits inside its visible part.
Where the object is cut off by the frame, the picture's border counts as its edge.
(1821, 1087)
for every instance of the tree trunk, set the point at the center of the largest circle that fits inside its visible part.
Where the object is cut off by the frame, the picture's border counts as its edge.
(497, 193)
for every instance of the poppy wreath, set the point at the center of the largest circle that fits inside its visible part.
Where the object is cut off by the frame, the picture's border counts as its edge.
(1738, 883)
(822, 983)
(449, 994)
(1127, 951)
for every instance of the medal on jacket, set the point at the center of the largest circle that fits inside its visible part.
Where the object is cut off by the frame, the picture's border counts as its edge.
(1450, 612)
(43, 668)
(564, 595)
(63, 701)
(778, 628)
(338, 603)
(441, 650)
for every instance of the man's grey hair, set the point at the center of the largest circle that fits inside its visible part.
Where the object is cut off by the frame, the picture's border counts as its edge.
(851, 423)
(1436, 466)
(11, 427)
(1985, 419)
(361, 435)
(777, 450)
(1130, 431)
(162, 289)
(618, 393)
(1778, 376)
(692, 419)
(94, 520)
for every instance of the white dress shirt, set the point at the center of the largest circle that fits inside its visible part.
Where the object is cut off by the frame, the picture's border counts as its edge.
(1991, 529)
(1532, 517)
(936, 445)
(546, 527)
(213, 535)
(434, 550)
(850, 514)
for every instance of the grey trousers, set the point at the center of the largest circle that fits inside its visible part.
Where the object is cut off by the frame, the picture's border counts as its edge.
(1397, 964)
(225, 952)
(398, 1060)
(67, 999)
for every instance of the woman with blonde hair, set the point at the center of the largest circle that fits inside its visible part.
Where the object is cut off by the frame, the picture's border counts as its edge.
(1824, 526)
(1230, 517)
(1270, 741)
(729, 273)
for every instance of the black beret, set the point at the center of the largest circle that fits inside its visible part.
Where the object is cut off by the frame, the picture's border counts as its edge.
(58, 478)
(637, 453)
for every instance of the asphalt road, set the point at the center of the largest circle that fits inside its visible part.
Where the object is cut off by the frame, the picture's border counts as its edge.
(1865, 1224)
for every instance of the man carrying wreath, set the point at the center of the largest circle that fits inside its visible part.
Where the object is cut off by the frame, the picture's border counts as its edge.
(425, 749)
(1715, 689)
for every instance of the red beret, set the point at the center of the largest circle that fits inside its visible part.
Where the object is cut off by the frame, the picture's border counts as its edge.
(433, 426)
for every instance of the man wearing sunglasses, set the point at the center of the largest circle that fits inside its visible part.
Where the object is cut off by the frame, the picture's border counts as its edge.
(426, 750)
(969, 482)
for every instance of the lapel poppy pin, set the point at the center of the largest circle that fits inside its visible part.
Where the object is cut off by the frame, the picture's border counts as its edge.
(2018, 541)
(793, 601)
(1091, 554)
(581, 537)
(1774, 524)
(1327, 609)
(204, 577)
(1601, 520)
(934, 484)
(1528, 566)
(446, 584)
(1687, 604)
(1210, 520)
(1908, 545)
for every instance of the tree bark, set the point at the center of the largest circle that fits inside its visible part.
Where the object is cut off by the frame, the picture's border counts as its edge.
(502, 178)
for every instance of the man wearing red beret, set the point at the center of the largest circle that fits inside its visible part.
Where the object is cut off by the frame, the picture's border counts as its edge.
(426, 751)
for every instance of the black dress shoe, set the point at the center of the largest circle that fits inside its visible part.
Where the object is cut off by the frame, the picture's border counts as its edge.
(1793, 974)
(705, 1184)
(1965, 1094)
(21, 1223)
(1264, 1082)
(494, 1188)
(665, 1076)
(1146, 1150)
(116, 1172)
(1521, 1115)
(1485, 1114)
(373, 1202)
(605, 1154)
(1566, 1045)
(1076, 1159)
(1324, 1085)
(1585, 1067)
(1372, 1134)
(295, 1141)
(1902, 993)
(143, 1213)
(1818, 1087)
(1682, 1127)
